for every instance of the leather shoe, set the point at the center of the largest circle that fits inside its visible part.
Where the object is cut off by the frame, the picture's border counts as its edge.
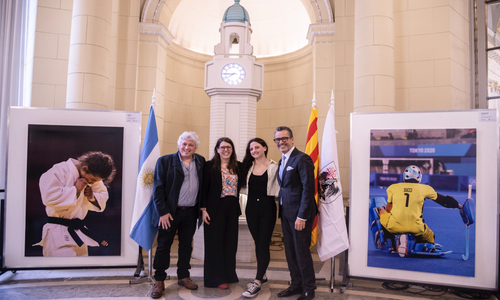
(188, 283)
(158, 290)
(290, 291)
(306, 296)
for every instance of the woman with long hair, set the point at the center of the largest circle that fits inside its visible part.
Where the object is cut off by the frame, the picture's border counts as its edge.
(220, 208)
(261, 186)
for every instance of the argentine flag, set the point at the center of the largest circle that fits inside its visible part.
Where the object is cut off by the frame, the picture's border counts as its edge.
(145, 217)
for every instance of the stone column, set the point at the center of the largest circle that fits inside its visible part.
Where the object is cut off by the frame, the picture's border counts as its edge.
(322, 38)
(124, 57)
(234, 117)
(374, 85)
(152, 67)
(88, 65)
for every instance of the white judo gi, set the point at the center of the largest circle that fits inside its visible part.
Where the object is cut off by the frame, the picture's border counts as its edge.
(57, 187)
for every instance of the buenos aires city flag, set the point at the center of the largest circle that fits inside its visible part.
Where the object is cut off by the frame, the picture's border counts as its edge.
(333, 238)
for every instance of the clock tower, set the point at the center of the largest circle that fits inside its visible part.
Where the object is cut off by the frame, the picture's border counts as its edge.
(234, 81)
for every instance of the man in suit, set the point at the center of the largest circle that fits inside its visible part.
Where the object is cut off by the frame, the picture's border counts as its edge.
(297, 210)
(176, 193)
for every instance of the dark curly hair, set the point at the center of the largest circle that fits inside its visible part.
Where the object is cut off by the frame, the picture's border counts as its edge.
(99, 164)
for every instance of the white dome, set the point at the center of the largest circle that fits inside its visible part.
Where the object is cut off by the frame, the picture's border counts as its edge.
(278, 26)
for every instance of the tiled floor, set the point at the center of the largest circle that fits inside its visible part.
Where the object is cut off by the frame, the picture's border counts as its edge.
(115, 284)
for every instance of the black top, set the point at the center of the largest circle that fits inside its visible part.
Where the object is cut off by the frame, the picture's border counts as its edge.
(257, 186)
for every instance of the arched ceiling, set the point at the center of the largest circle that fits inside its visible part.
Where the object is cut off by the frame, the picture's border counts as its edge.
(279, 26)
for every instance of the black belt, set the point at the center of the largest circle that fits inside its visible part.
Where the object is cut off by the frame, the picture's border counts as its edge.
(184, 207)
(73, 224)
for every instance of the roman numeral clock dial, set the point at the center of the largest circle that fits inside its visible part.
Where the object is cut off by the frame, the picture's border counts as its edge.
(233, 74)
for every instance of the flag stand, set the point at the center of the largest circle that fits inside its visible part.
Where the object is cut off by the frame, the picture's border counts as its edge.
(345, 274)
(148, 277)
(332, 274)
(2, 224)
(138, 278)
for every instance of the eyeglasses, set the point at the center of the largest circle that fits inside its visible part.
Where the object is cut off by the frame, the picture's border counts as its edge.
(225, 148)
(283, 139)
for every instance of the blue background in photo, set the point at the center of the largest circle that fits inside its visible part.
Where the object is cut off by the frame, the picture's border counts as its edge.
(449, 231)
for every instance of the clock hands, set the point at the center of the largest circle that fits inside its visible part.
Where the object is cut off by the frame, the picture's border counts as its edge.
(228, 74)
(233, 74)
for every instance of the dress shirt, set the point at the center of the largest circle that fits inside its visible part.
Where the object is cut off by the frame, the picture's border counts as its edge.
(189, 188)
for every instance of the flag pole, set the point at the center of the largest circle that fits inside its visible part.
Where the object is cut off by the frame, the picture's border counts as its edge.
(332, 259)
(312, 149)
(150, 252)
(332, 209)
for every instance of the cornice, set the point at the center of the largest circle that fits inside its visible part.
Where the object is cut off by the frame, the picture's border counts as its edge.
(156, 29)
(319, 29)
(231, 91)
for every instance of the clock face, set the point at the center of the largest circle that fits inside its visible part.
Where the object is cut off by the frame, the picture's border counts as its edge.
(233, 74)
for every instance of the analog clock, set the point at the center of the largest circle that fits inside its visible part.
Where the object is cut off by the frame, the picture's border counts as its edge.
(233, 74)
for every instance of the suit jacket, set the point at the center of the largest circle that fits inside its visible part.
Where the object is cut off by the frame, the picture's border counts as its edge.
(212, 187)
(168, 180)
(297, 187)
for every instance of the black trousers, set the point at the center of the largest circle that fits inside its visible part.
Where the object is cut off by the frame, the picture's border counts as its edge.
(298, 254)
(261, 218)
(184, 224)
(221, 243)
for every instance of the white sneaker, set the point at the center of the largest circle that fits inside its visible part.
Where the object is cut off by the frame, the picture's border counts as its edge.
(402, 245)
(253, 290)
(264, 280)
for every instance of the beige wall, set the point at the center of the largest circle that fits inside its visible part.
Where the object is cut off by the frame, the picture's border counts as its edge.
(431, 46)
(431, 71)
(124, 55)
(187, 106)
(432, 55)
(286, 101)
(50, 62)
(51, 53)
(344, 84)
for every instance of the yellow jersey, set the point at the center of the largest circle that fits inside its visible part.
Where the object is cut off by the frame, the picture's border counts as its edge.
(407, 204)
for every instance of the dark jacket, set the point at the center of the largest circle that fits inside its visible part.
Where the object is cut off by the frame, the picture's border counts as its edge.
(168, 180)
(297, 187)
(212, 187)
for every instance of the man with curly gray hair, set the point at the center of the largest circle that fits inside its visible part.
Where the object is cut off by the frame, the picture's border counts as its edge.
(176, 192)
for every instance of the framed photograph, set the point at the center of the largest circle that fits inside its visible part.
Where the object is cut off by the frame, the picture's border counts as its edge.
(410, 174)
(71, 179)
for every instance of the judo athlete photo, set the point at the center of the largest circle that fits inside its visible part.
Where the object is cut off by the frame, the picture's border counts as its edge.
(69, 190)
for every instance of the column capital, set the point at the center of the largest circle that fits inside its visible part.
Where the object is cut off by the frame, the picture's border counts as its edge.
(159, 30)
(326, 30)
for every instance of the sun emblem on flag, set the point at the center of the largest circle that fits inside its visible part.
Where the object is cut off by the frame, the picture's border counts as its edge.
(146, 178)
(329, 183)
